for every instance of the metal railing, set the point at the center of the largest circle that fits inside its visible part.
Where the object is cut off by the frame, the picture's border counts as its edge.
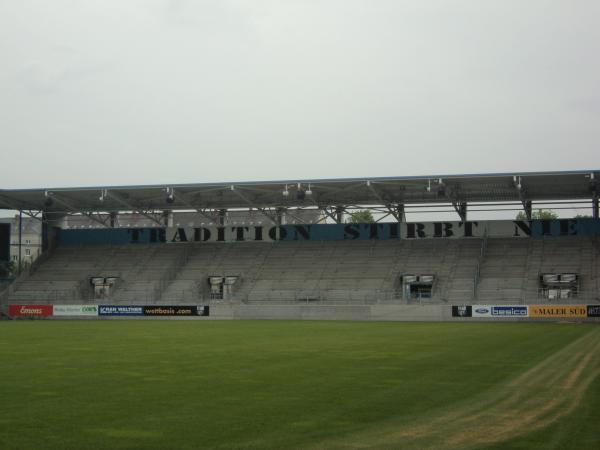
(54, 296)
(321, 297)
(478, 268)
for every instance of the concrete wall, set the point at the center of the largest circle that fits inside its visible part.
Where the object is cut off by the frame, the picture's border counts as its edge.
(404, 313)
(376, 313)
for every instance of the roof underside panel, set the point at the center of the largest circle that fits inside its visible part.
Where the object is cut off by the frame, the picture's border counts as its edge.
(542, 186)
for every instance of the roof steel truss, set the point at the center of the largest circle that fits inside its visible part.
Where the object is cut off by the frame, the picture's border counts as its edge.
(388, 195)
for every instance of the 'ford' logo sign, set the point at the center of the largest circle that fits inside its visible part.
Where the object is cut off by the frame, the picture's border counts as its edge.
(482, 310)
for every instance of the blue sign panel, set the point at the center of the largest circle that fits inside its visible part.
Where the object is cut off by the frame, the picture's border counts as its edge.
(509, 311)
(333, 232)
(565, 227)
(111, 236)
(120, 310)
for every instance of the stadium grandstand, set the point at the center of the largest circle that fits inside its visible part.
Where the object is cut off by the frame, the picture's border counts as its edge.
(282, 249)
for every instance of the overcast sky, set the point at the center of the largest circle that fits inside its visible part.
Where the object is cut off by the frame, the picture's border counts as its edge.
(165, 91)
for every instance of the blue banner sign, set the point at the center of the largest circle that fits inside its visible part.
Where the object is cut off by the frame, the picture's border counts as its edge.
(500, 311)
(509, 311)
(111, 236)
(120, 310)
(334, 232)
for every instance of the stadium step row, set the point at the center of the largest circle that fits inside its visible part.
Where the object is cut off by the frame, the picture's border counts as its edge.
(466, 270)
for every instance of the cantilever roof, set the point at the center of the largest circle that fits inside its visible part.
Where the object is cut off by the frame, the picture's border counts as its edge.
(495, 187)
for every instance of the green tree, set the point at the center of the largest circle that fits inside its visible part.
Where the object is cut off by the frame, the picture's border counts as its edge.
(582, 216)
(5, 269)
(543, 214)
(11, 269)
(363, 216)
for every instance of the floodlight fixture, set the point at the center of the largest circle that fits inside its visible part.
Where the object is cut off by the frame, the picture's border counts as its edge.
(48, 198)
(300, 193)
(441, 189)
(517, 181)
(170, 194)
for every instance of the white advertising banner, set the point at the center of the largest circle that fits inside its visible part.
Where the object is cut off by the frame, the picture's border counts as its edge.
(75, 310)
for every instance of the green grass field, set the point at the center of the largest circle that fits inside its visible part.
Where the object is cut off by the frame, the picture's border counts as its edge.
(279, 384)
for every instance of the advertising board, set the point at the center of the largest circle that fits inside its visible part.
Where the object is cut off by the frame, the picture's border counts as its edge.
(558, 311)
(326, 232)
(75, 310)
(171, 310)
(461, 311)
(4, 242)
(30, 310)
(593, 310)
(500, 311)
(152, 310)
(120, 310)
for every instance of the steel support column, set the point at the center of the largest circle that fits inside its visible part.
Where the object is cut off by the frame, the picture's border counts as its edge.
(461, 210)
(339, 214)
(279, 216)
(20, 239)
(222, 215)
(527, 207)
(401, 213)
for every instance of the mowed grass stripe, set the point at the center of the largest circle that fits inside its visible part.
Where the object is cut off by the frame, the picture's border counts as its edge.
(279, 384)
(542, 395)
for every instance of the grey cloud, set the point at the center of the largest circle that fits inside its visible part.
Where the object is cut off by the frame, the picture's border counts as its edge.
(159, 91)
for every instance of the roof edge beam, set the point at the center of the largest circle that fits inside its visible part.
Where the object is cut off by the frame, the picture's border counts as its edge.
(185, 201)
(65, 203)
(118, 199)
(263, 211)
(387, 204)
